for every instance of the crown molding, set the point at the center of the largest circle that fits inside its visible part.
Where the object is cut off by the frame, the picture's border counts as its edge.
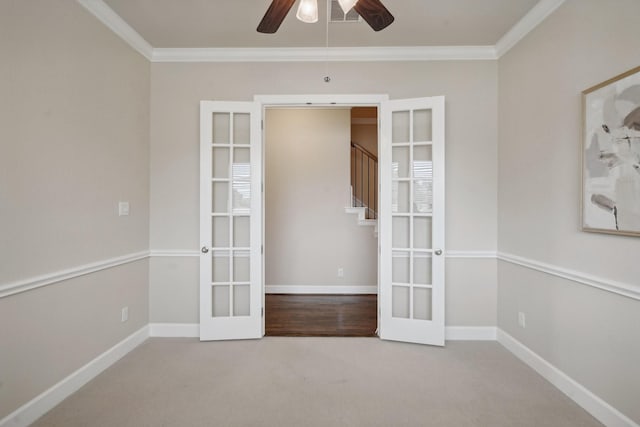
(531, 20)
(115, 23)
(321, 54)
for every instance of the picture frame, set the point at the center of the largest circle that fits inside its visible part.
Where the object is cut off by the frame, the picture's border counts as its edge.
(610, 151)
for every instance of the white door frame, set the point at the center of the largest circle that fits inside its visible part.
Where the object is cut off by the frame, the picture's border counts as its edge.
(318, 100)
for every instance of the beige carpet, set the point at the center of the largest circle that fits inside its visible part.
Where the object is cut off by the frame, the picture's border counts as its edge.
(317, 382)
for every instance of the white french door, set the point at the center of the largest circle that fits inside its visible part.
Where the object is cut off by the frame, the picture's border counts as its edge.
(411, 217)
(230, 220)
(411, 288)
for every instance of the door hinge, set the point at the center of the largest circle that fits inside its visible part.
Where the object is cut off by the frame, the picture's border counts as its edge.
(261, 249)
(262, 312)
(262, 124)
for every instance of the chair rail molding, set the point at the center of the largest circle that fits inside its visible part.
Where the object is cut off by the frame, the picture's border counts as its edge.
(174, 253)
(624, 289)
(67, 274)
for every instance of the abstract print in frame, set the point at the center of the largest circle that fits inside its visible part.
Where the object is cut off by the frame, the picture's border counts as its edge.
(611, 156)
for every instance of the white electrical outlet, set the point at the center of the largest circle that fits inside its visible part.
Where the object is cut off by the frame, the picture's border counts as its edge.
(341, 272)
(124, 315)
(522, 320)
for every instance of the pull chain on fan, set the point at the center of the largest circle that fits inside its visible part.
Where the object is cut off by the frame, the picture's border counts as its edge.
(327, 77)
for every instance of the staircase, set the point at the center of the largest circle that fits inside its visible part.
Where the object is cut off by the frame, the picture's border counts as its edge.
(363, 195)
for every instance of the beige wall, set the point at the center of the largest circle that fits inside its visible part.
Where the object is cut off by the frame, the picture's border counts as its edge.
(470, 88)
(308, 234)
(590, 334)
(74, 132)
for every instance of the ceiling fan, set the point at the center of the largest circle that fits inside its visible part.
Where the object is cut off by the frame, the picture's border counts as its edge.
(372, 11)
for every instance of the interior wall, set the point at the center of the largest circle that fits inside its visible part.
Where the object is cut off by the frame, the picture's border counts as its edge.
(364, 128)
(74, 138)
(470, 88)
(308, 234)
(590, 334)
(366, 135)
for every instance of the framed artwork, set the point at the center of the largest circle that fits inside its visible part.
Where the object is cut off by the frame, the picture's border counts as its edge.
(611, 156)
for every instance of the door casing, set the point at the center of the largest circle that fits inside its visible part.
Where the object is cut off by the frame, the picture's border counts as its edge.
(310, 101)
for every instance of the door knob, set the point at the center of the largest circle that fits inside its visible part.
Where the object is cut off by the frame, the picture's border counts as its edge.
(204, 249)
(438, 252)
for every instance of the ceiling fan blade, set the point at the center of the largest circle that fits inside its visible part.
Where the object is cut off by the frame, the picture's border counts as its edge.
(374, 12)
(275, 15)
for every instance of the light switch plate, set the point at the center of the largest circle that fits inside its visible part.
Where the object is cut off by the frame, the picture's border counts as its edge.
(123, 208)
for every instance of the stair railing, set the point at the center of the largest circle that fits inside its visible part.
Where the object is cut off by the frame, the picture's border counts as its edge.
(364, 180)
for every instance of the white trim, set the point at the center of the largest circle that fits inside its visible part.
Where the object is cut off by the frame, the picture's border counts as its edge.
(528, 23)
(70, 273)
(322, 54)
(328, 289)
(44, 402)
(624, 289)
(174, 330)
(320, 100)
(115, 23)
(470, 333)
(173, 253)
(591, 403)
(470, 254)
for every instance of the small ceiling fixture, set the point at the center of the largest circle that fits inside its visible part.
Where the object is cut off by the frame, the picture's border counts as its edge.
(372, 11)
(347, 5)
(308, 11)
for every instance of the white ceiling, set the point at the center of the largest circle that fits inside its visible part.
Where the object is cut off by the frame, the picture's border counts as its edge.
(232, 24)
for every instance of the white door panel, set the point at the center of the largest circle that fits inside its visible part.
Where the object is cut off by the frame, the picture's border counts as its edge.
(230, 221)
(411, 233)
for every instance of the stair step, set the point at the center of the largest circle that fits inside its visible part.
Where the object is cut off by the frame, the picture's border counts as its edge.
(362, 219)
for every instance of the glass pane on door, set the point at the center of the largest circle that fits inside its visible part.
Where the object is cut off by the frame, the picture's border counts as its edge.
(422, 303)
(241, 129)
(220, 301)
(221, 129)
(422, 125)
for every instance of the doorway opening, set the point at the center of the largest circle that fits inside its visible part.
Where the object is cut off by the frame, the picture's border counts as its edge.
(320, 220)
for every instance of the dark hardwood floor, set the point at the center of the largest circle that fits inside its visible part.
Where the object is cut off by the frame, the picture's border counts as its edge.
(321, 315)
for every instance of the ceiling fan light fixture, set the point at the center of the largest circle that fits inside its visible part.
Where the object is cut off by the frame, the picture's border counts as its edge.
(308, 11)
(347, 5)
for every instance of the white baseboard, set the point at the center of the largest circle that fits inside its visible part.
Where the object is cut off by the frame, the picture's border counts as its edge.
(470, 333)
(174, 330)
(41, 404)
(598, 408)
(192, 330)
(328, 289)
